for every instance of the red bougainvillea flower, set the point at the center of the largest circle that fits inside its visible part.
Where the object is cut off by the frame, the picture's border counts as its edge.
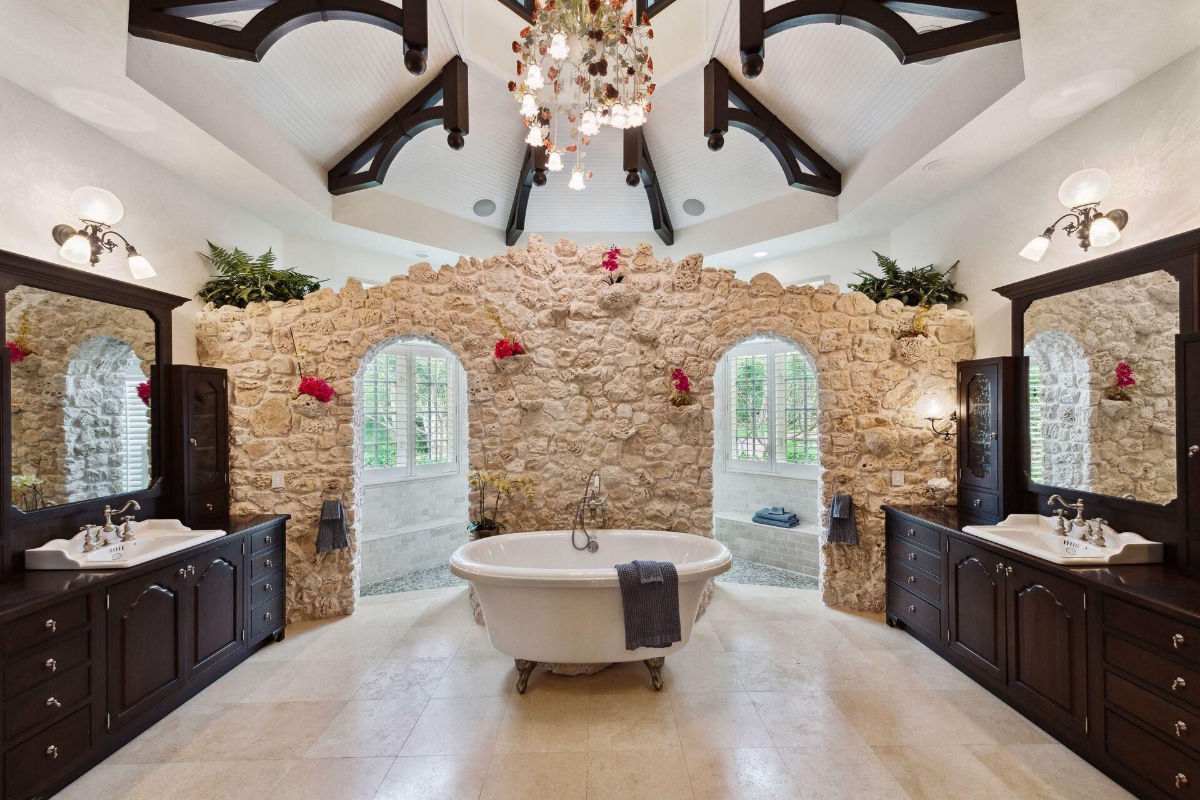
(680, 380)
(317, 388)
(17, 353)
(508, 347)
(610, 259)
(143, 392)
(1125, 376)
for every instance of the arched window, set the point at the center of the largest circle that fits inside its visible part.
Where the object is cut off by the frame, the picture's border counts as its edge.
(769, 409)
(412, 412)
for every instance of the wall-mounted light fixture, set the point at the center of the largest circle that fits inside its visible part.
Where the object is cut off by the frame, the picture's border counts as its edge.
(935, 406)
(1082, 193)
(99, 210)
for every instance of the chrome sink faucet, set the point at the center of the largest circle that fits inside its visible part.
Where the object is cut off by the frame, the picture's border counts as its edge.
(123, 531)
(1060, 527)
(1095, 532)
(590, 503)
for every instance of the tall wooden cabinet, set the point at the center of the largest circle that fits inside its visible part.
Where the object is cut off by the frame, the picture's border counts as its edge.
(985, 434)
(1187, 391)
(201, 405)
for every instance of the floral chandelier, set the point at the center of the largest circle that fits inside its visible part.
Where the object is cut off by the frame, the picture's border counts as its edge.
(582, 64)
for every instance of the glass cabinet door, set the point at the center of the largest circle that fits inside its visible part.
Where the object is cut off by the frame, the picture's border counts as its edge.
(206, 462)
(981, 457)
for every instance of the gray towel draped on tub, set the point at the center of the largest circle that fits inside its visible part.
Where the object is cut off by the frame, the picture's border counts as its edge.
(651, 607)
(331, 531)
(842, 527)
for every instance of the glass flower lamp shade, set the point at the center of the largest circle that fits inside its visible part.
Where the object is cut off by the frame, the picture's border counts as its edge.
(1036, 248)
(94, 204)
(139, 267)
(637, 115)
(76, 249)
(1084, 188)
(558, 47)
(576, 181)
(533, 77)
(529, 106)
(1103, 232)
(934, 406)
(535, 136)
(554, 162)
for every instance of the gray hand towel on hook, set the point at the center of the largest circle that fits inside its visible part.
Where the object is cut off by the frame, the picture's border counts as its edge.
(331, 531)
(842, 526)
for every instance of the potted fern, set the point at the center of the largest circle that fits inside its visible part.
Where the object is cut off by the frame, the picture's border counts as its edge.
(922, 287)
(241, 280)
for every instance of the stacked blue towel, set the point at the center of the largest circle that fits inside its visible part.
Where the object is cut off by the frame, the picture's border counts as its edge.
(777, 516)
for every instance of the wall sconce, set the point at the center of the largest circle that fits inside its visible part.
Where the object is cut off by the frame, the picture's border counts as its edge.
(99, 210)
(934, 406)
(1082, 193)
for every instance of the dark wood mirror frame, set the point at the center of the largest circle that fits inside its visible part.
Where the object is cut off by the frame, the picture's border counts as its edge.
(21, 530)
(1178, 255)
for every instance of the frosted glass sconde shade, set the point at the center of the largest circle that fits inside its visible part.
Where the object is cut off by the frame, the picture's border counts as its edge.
(554, 162)
(559, 48)
(1036, 248)
(1103, 232)
(97, 205)
(533, 77)
(76, 249)
(1084, 188)
(933, 406)
(529, 106)
(139, 267)
(576, 181)
(535, 136)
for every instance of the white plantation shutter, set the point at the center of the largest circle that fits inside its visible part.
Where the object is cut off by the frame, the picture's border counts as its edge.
(771, 409)
(1036, 450)
(750, 406)
(795, 403)
(137, 433)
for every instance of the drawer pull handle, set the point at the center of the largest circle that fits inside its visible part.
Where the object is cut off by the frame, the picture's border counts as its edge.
(912, 609)
(51, 626)
(52, 751)
(1177, 641)
(267, 616)
(268, 563)
(1178, 683)
(53, 702)
(912, 579)
(1000, 567)
(1180, 780)
(266, 540)
(51, 665)
(978, 502)
(191, 570)
(182, 572)
(1180, 728)
(1008, 570)
(911, 532)
(208, 506)
(912, 556)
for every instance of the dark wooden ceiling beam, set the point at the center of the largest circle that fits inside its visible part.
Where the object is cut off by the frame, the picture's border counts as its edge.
(984, 22)
(727, 105)
(172, 23)
(639, 169)
(367, 164)
(533, 172)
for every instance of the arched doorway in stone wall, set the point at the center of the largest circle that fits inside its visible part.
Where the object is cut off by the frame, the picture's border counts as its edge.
(410, 458)
(1060, 410)
(766, 452)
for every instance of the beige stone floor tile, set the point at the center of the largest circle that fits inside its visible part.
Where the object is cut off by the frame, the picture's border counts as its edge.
(918, 717)
(742, 774)
(811, 637)
(870, 670)
(107, 781)
(627, 677)
(934, 671)
(400, 614)
(840, 773)
(169, 735)
(369, 728)
(407, 676)
(805, 719)
(332, 779)
(522, 776)
(320, 679)
(260, 731)
(545, 723)
(438, 641)
(244, 684)
(631, 722)
(943, 773)
(870, 632)
(727, 606)
(747, 635)
(727, 719)
(701, 672)
(998, 720)
(435, 777)
(544, 682)
(1047, 771)
(456, 726)
(773, 672)
(298, 637)
(638, 775)
(478, 676)
(448, 610)
(703, 638)
(476, 643)
(229, 780)
(341, 643)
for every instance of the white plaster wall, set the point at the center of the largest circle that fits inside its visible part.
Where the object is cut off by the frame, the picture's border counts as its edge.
(837, 262)
(1147, 139)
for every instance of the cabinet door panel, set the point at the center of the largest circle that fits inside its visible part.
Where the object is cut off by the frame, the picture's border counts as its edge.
(1188, 356)
(145, 641)
(207, 447)
(977, 611)
(980, 428)
(1047, 643)
(215, 612)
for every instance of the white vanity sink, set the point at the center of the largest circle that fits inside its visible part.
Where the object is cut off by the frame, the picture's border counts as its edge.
(152, 538)
(1034, 534)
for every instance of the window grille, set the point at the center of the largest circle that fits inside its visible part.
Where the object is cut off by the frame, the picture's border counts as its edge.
(1036, 451)
(772, 409)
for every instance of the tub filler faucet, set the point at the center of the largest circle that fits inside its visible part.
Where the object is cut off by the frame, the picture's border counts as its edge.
(590, 503)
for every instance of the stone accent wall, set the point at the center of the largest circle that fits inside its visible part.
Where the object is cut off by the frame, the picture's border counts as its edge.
(591, 392)
(68, 397)
(1092, 443)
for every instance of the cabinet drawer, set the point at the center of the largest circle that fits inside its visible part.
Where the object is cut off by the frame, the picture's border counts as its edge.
(1174, 680)
(209, 504)
(976, 502)
(1181, 726)
(40, 704)
(912, 532)
(266, 587)
(915, 581)
(915, 556)
(912, 609)
(266, 562)
(260, 540)
(267, 617)
(49, 752)
(1157, 762)
(44, 625)
(1162, 632)
(44, 665)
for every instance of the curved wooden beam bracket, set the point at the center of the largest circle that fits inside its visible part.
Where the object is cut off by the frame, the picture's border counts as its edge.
(727, 104)
(366, 165)
(984, 22)
(173, 22)
(533, 173)
(640, 169)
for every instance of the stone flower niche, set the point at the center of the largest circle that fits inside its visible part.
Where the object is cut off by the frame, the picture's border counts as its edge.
(591, 391)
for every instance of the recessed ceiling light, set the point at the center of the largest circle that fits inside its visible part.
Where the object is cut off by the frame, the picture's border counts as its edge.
(938, 165)
(484, 208)
(693, 207)
(762, 254)
(421, 254)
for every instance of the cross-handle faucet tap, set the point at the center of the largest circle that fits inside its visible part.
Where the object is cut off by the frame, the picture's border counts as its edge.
(109, 513)
(1077, 522)
(1095, 532)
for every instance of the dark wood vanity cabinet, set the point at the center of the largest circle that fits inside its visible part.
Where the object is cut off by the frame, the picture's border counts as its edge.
(201, 404)
(1187, 366)
(985, 432)
(975, 628)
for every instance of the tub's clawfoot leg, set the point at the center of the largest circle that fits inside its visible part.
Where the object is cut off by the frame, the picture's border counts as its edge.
(655, 666)
(524, 668)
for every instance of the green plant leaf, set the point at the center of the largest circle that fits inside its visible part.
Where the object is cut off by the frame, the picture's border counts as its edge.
(920, 286)
(241, 280)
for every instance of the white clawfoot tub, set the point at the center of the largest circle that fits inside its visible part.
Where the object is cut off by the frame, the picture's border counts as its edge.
(545, 601)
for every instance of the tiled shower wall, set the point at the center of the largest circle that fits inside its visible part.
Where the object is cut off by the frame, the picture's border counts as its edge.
(742, 493)
(737, 495)
(412, 525)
